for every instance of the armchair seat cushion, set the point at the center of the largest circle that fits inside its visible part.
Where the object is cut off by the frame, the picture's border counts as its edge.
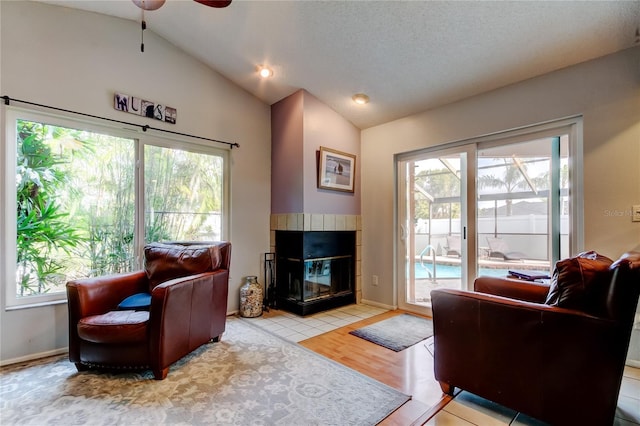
(115, 327)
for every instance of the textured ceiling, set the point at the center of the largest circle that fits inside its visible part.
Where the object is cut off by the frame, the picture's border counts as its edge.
(408, 56)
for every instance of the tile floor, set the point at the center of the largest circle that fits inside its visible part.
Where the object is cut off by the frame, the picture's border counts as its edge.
(466, 409)
(295, 328)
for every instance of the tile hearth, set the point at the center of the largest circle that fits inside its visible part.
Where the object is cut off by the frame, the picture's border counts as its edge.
(296, 328)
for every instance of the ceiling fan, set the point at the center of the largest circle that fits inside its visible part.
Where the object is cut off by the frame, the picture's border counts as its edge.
(157, 4)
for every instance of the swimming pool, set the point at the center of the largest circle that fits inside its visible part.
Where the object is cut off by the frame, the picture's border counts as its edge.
(454, 271)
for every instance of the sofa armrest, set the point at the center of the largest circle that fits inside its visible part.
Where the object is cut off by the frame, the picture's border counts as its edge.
(515, 289)
(180, 318)
(220, 298)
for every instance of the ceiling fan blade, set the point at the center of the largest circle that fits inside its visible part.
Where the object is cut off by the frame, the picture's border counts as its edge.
(215, 3)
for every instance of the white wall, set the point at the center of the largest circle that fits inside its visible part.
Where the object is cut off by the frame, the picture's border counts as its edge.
(77, 60)
(605, 91)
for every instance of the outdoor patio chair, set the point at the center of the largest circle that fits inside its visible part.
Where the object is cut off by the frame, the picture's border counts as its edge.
(499, 248)
(454, 246)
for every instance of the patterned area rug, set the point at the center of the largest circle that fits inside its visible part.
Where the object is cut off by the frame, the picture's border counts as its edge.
(398, 332)
(251, 377)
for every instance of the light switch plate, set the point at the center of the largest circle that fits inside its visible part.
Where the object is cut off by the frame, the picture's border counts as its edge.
(635, 213)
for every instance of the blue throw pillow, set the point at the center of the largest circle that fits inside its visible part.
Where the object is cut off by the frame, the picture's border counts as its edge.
(136, 302)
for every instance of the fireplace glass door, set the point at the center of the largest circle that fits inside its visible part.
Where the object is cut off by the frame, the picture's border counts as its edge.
(325, 277)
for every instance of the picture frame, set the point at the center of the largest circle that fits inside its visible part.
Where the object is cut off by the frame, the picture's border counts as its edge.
(336, 170)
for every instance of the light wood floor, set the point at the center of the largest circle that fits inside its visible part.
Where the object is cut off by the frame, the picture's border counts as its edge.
(410, 371)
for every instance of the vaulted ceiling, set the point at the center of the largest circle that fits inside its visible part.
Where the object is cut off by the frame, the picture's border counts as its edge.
(407, 56)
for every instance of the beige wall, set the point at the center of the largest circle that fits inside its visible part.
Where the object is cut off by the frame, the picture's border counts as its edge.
(77, 60)
(605, 91)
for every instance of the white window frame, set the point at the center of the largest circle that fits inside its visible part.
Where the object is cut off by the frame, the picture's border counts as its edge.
(8, 214)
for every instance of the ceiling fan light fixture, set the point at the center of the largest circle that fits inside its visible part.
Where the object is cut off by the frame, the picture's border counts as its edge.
(360, 98)
(265, 72)
(149, 4)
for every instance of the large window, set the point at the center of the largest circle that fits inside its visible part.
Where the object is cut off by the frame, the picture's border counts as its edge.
(183, 196)
(82, 200)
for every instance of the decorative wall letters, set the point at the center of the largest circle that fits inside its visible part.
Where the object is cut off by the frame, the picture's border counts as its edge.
(138, 106)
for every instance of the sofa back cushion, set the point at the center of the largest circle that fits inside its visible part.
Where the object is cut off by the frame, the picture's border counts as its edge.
(164, 262)
(581, 283)
(625, 286)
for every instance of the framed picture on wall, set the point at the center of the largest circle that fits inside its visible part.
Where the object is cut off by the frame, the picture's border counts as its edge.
(336, 170)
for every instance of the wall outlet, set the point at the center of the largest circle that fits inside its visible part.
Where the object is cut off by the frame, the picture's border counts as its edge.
(374, 280)
(635, 213)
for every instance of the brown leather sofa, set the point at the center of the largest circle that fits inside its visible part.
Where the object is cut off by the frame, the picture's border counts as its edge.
(555, 353)
(185, 286)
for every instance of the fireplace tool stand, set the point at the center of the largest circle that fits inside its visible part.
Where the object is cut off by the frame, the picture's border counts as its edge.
(269, 281)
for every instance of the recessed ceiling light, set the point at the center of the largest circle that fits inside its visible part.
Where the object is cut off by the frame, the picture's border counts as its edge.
(265, 72)
(360, 98)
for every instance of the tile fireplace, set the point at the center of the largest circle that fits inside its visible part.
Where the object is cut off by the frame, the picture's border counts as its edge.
(315, 270)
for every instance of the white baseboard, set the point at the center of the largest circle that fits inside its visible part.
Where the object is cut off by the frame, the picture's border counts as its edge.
(633, 363)
(363, 302)
(32, 357)
(378, 305)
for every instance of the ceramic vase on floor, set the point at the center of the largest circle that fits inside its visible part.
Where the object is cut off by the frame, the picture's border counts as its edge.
(251, 298)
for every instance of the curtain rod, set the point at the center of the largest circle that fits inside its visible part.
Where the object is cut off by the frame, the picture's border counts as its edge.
(144, 127)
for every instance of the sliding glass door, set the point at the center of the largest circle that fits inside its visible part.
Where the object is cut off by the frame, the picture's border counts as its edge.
(522, 206)
(498, 205)
(433, 210)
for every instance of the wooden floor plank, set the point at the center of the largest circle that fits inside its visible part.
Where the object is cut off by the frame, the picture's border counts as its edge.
(409, 371)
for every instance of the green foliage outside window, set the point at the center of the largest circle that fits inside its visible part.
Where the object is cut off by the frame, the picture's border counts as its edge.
(74, 200)
(42, 226)
(438, 183)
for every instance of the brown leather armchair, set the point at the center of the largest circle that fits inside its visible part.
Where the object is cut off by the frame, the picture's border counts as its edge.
(555, 353)
(187, 285)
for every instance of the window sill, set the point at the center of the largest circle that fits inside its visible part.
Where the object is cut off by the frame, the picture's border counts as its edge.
(35, 305)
